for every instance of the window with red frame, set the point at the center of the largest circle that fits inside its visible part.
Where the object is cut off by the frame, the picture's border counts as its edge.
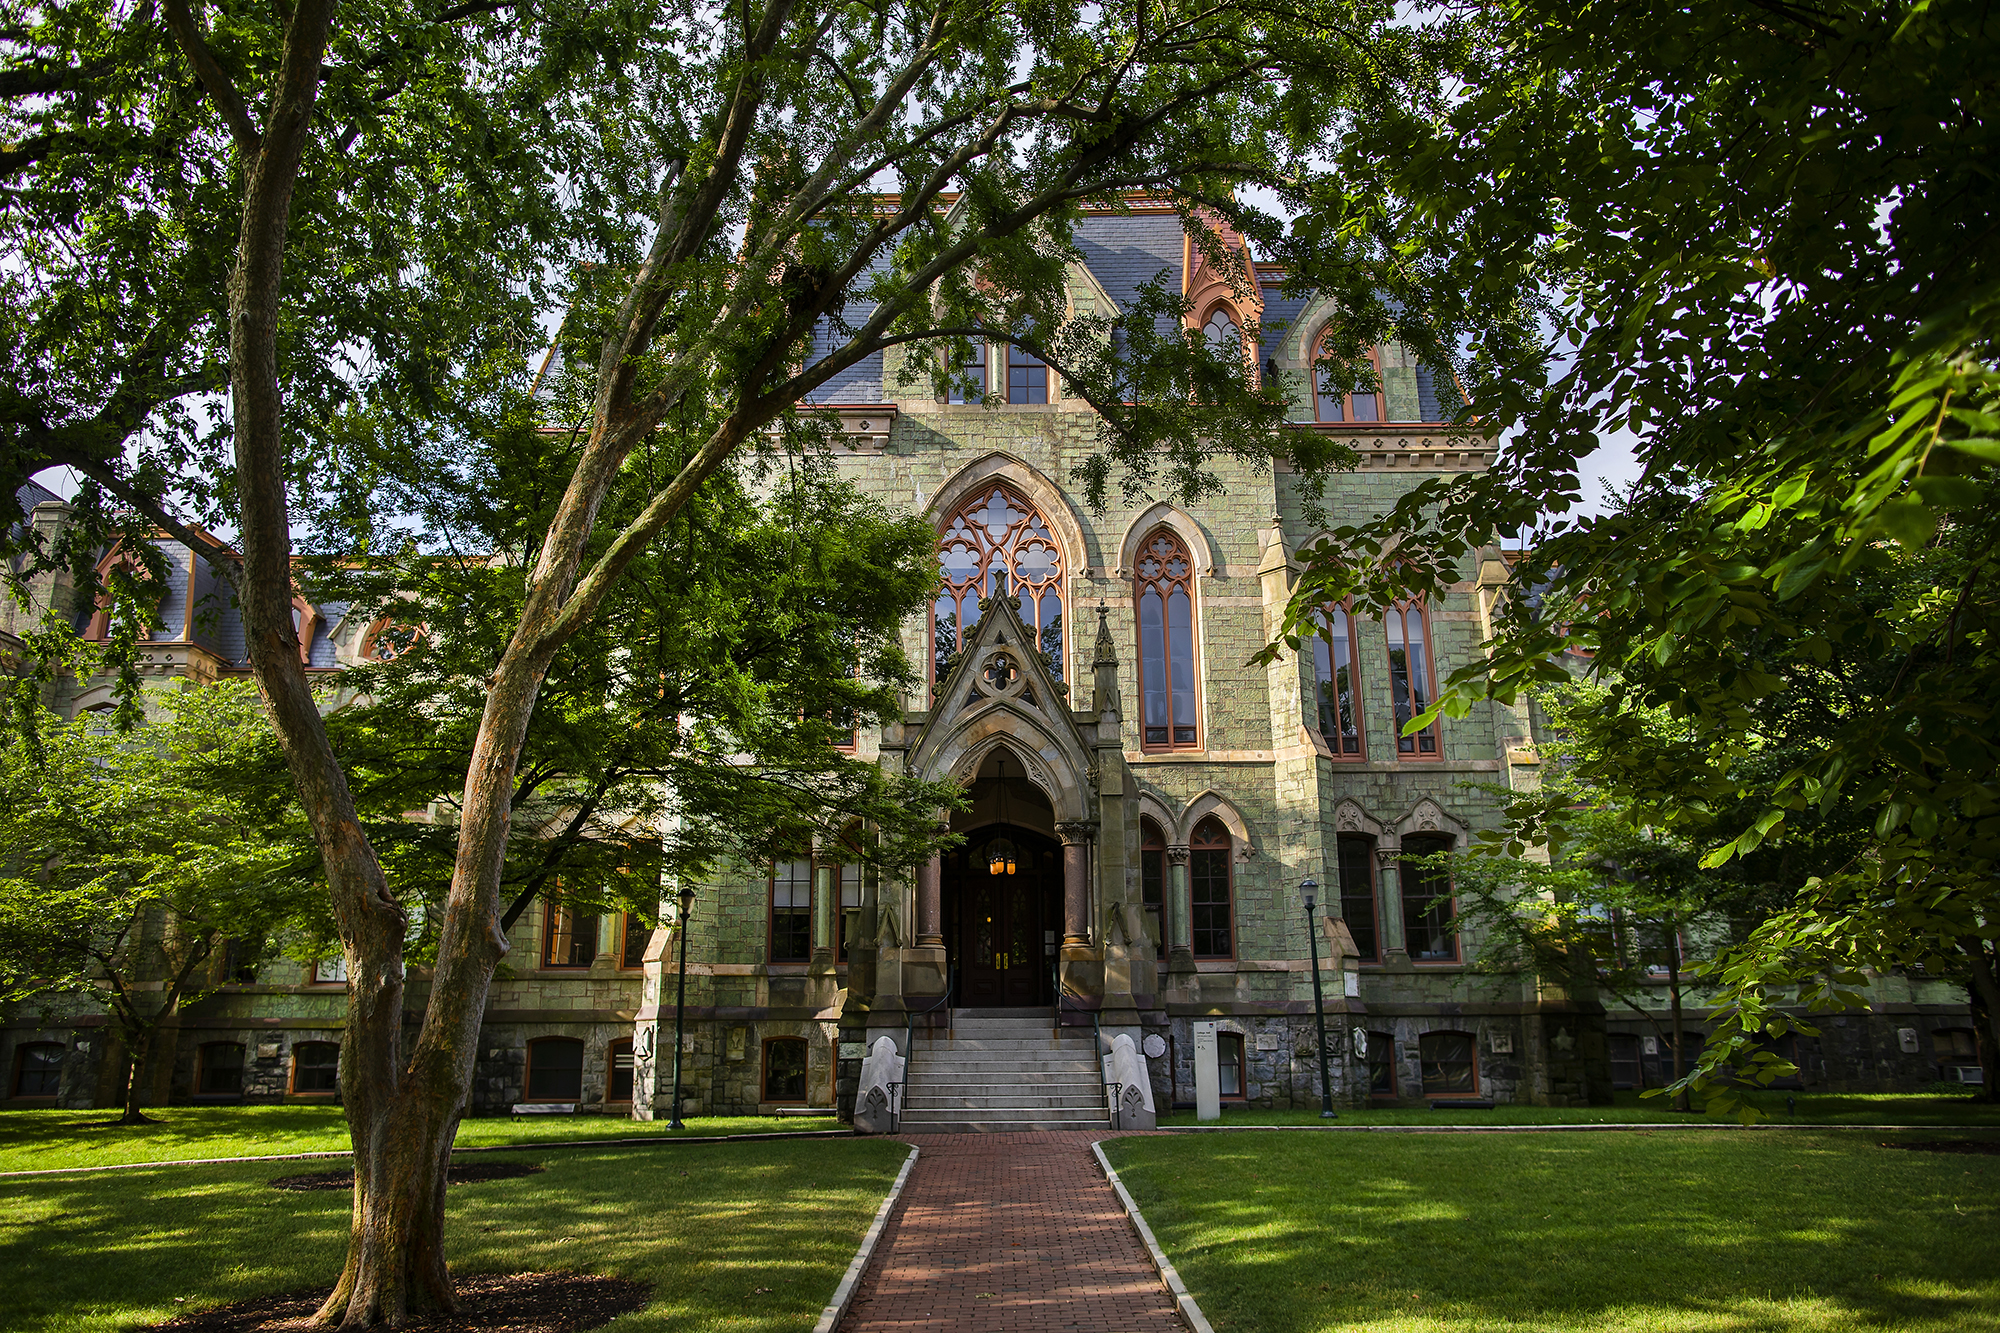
(619, 1059)
(1163, 583)
(970, 376)
(1027, 376)
(1338, 684)
(1330, 403)
(791, 911)
(1428, 910)
(1209, 870)
(1410, 685)
(569, 937)
(1450, 1064)
(632, 940)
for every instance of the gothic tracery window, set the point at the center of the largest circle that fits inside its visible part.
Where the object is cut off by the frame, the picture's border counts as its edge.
(1225, 336)
(1335, 678)
(1163, 582)
(997, 544)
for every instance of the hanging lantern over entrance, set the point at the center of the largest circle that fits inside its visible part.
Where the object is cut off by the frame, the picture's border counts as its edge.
(1001, 857)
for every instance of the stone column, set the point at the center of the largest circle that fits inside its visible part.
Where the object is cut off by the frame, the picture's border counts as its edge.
(1180, 906)
(1076, 883)
(930, 904)
(1395, 951)
(823, 906)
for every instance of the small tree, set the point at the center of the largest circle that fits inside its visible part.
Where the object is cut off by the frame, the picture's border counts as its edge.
(131, 859)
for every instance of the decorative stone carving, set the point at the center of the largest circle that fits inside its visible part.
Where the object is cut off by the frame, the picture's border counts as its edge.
(1073, 831)
(1347, 818)
(876, 1099)
(1178, 855)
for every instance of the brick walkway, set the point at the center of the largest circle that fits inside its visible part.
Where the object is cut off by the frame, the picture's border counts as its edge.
(1010, 1233)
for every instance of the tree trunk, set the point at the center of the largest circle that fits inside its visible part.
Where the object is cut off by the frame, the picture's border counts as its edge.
(137, 1053)
(1681, 1102)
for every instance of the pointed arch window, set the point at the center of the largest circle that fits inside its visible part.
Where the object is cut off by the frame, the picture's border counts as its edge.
(1331, 404)
(993, 544)
(1224, 334)
(1338, 685)
(1410, 684)
(1209, 891)
(1163, 584)
(968, 376)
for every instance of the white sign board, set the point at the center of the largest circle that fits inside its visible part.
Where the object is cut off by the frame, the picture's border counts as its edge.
(1207, 1086)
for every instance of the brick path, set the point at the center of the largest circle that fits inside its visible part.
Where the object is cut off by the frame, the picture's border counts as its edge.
(1010, 1233)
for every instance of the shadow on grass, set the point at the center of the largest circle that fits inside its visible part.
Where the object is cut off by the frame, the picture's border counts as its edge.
(1809, 1233)
(741, 1236)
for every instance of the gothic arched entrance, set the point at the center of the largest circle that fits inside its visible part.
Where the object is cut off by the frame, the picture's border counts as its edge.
(1003, 891)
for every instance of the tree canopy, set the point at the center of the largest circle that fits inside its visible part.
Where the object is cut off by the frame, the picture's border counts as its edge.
(1762, 238)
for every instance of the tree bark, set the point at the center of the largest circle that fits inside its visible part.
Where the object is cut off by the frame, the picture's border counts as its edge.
(1983, 990)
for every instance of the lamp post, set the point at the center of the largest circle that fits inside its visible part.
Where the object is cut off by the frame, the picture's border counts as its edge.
(680, 1004)
(1309, 891)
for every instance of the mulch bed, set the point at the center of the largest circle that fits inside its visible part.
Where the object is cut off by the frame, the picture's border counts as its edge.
(469, 1174)
(1988, 1147)
(487, 1303)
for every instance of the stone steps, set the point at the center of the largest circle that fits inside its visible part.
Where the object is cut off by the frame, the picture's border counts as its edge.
(1001, 1071)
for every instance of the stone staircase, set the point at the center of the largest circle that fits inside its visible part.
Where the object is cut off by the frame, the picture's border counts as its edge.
(1002, 1070)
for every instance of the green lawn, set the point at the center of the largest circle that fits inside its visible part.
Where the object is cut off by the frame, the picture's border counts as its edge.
(1808, 1232)
(39, 1140)
(1813, 1108)
(748, 1237)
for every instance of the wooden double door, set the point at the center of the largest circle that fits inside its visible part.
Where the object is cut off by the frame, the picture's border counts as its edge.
(1003, 928)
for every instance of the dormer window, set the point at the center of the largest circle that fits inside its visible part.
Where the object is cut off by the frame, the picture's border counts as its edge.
(1331, 404)
(1224, 334)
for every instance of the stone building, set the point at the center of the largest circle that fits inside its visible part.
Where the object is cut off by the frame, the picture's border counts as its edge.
(1145, 804)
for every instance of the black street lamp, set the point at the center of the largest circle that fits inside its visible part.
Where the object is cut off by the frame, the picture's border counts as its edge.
(1309, 891)
(680, 1004)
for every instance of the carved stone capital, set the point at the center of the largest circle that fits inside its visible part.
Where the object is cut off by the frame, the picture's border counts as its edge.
(1073, 831)
(1388, 856)
(1178, 855)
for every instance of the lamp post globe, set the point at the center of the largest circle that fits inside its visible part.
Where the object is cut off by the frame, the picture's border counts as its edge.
(686, 898)
(1309, 898)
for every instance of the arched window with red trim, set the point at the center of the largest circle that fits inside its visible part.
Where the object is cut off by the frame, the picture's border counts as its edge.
(1338, 687)
(1410, 683)
(1210, 895)
(996, 543)
(1163, 587)
(1224, 334)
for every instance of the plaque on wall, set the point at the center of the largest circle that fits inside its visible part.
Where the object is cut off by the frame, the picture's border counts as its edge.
(1155, 1046)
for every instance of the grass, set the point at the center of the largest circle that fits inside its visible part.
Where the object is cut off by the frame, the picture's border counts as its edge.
(46, 1139)
(1813, 1108)
(745, 1237)
(1822, 1231)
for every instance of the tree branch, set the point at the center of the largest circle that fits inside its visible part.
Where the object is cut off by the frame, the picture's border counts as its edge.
(227, 100)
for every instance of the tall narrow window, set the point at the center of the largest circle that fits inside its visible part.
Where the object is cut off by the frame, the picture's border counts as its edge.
(1153, 882)
(1410, 678)
(1427, 905)
(1027, 376)
(1208, 872)
(555, 1069)
(791, 912)
(969, 377)
(632, 941)
(996, 544)
(785, 1069)
(1448, 1064)
(569, 937)
(1333, 668)
(1356, 862)
(1164, 583)
(1224, 335)
(1381, 1064)
(1331, 403)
